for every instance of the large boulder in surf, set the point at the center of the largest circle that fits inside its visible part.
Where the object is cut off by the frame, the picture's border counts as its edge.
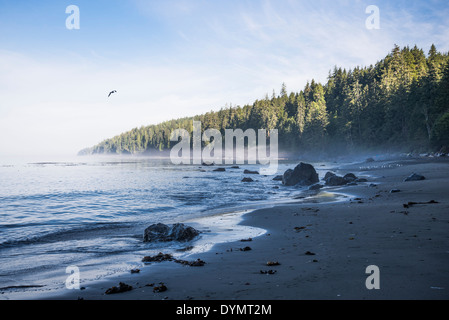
(163, 233)
(303, 174)
(350, 177)
(328, 175)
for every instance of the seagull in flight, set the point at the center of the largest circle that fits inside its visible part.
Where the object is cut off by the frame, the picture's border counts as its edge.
(113, 91)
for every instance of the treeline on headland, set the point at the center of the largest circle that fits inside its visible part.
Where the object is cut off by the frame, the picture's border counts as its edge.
(400, 103)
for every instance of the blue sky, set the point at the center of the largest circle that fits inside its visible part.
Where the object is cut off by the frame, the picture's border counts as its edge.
(176, 58)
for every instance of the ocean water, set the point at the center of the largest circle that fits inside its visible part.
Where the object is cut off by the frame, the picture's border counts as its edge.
(92, 211)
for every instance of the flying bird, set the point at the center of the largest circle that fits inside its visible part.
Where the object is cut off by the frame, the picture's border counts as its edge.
(113, 91)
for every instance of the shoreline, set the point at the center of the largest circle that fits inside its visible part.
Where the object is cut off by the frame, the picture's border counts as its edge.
(55, 277)
(411, 250)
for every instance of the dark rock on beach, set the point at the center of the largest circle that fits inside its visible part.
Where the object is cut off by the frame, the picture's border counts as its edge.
(414, 177)
(121, 288)
(158, 258)
(196, 263)
(336, 181)
(160, 288)
(333, 180)
(268, 271)
(350, 177)
(303, 174)
(163, 233)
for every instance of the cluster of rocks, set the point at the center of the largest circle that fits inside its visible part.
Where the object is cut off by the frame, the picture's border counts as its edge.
(305, 174)
(122, 287)
(163, 233)
(160, 257)
(332, 179)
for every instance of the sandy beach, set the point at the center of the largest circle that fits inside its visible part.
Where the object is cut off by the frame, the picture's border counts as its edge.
(322, 249)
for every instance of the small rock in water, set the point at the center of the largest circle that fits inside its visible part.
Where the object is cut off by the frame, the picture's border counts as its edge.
(220, 170)
(414, 177)
(395, 190)
(273, 263)
(247, 180)
(277, 178)
(250, 172)
(165, 233)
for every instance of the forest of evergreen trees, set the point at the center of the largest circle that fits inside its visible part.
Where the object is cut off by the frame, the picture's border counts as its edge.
(401, 103)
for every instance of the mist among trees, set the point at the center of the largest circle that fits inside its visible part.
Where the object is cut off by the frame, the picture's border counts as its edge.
(401, 103)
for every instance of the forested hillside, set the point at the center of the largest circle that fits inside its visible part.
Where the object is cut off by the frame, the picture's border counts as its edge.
(401, 102)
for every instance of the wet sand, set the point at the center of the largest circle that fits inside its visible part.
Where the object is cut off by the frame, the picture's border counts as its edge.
(323, 249)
